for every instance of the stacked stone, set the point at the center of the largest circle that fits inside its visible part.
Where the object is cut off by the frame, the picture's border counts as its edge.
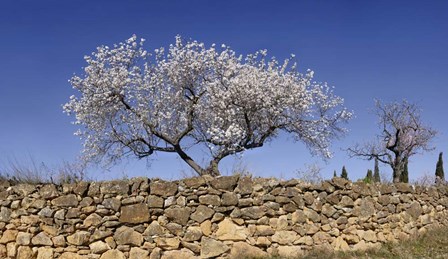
(206, 217)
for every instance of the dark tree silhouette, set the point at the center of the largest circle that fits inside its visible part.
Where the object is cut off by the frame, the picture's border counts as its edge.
(369, 176)
(440, 175)
(376, 173)
(344, 173)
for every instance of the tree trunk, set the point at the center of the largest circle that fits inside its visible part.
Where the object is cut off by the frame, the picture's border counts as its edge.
(213, 169)
(396, 175)
(398, 168)
(197, 168)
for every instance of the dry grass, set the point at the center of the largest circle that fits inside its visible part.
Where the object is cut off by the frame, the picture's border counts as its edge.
(432, 245)
(32, 172)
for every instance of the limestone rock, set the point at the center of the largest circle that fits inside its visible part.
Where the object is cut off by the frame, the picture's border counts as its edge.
(368, 235)
(181, 201)
(360, 188)
(195, 247)
(328, 210)
(227, 230)
(263, 241)
(175, 229)
(112, 203)
(212, 248)
(263, 230)
(210, 200)
(311, 215)
(193, 234)
(69, 200)
(8, 236)
(206, 227)
(154, 229)
(346, 202)
(73, 213)
(254, 212)
(244, 250)
(58, 241)
(177, 254)
(100, 234)
(387, 189)
(81, 188)
(138, 253)
(79, 238)
(41, 239)
(23, 239)
(229, 199)
(139, 183)
(361, 246)
(99, 247)
(111, 242)
(202, 213)
(3, 196)
(46, 212)
(92, 220)
(167, 243)
(50, 230)
(194, 182)
(155, 254)
(305, 240)
(284, 237)
(24, 189)
(25, 252)
(245, 185)
(128, 236)
(415, 210)
(321, 237)
(11, 250)
(298, 217)
(5, 214)
(178, 215)
(94, 189)
(3, 252)
(135, 214)
(290, 251)
(339, 182)
(333, 198)
(60, 214)
(227, 183)
(30, 220)
(45, 253)
(113, 254)
(115, 187)
(404, 187)
(155, 201)
(48, 191)
(384, 200)
(70, 255)
(339, 244)
(365, 209)
(162, 188)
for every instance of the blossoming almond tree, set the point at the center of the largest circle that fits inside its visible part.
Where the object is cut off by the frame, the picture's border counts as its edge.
(132, 102)
(403, 134)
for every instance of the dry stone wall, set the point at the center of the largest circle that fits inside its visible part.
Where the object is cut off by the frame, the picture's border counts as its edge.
(203, 217)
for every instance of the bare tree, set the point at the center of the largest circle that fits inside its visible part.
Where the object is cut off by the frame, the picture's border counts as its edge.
(311, 174)
(403, 134)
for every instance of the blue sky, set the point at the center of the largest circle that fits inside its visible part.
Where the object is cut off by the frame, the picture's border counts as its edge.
(388, 50)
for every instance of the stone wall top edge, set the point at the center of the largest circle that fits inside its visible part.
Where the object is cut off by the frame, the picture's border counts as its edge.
(235, 183)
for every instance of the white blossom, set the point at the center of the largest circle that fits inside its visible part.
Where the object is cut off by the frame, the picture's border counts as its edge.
(132, 102)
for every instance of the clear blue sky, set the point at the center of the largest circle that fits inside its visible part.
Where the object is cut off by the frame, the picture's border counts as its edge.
(387, 50)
